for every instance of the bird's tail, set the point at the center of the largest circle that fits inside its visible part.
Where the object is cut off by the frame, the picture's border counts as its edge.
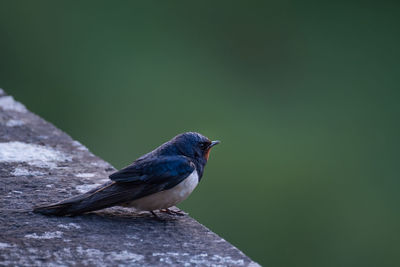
(55, 209)
(98, 198)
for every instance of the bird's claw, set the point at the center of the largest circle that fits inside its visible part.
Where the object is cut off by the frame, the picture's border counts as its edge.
(156, 216)
(174, 212)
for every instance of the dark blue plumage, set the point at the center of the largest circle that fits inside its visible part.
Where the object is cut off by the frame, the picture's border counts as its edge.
(158, 179)
(156, 170)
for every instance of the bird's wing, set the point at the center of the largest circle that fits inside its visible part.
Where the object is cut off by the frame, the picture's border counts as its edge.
(141, 178)
(104, 196)
(166, 171)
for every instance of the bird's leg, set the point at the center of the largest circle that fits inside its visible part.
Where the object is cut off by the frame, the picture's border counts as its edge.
(155, 215)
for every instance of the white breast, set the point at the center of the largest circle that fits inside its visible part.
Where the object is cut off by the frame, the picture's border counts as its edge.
(167, 198)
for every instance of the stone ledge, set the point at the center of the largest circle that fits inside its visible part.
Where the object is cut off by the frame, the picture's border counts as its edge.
(40, 164)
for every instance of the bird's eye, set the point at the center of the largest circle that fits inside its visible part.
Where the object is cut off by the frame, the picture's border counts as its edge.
(203, 145)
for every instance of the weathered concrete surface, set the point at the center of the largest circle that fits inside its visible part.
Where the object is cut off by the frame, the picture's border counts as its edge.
(40, 164)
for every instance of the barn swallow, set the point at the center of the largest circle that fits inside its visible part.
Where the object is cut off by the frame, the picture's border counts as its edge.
(157, 180)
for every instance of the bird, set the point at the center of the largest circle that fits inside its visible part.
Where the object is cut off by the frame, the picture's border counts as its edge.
(155, 181)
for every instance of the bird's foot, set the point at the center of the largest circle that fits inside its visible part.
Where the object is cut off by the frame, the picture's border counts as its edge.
(174, 212)
(156, 216)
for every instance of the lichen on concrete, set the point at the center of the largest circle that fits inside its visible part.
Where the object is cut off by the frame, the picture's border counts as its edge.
(14, 123)
(39, 164)
(8, 103)
(32, 154)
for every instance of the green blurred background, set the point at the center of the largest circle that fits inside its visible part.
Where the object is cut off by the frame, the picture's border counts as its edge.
(304, 96)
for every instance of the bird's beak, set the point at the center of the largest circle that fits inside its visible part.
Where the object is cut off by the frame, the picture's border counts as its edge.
(213, 143)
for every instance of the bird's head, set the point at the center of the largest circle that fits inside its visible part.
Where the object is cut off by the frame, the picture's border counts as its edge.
(194, 145)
